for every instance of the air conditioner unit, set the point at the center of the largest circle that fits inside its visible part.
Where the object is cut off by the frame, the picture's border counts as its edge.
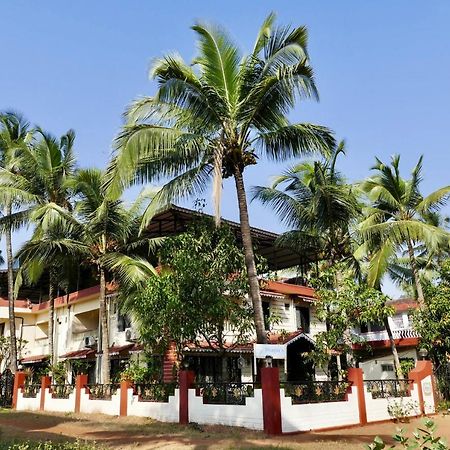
(89, 341)
(130, 335)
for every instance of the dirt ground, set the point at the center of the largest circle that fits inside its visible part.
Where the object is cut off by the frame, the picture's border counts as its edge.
(131, 433)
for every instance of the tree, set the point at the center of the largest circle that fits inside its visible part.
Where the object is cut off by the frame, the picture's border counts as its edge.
(199, 298)
(213, 118)
(395, 218)
(345, 307)
(317, 204)
(14, 138)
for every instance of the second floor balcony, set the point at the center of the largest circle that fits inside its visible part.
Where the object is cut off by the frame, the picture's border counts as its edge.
(382, 335)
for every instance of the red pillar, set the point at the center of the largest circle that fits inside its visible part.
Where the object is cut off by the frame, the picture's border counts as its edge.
(124, 386)
(80, 383)
(270, 383)
(45, 383)
(186, 378)
(19, 382)
(355, 376)
(422, 370)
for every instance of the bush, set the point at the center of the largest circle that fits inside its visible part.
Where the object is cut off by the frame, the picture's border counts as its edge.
(48, 445)
(421, 438)
(401, 410)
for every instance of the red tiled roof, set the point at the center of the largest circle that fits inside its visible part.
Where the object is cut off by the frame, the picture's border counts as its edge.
(33, 359)
(80, 354)
(288, 289)
(117, 349)
(403, 304)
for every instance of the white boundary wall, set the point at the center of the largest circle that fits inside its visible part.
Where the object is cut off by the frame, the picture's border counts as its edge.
(377, 408)
(249, 415)
(59, 404)
(110, 407)
(427, 393)
(28, 404)
(162, 411)
(314, 416)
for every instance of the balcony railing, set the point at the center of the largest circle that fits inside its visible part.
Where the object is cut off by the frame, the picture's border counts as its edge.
(399, 333)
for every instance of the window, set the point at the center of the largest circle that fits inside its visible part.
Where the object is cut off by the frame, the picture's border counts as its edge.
(387, 367)
(364, 328)
(123, 322)
(302, 318)
(377, 327)
(2, 329)
(398, 322)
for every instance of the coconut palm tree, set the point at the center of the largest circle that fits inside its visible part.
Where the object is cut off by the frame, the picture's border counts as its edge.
(214, 117)
(396, 218)
(15, 136)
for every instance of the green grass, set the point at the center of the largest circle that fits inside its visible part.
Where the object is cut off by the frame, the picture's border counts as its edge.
(47, 445)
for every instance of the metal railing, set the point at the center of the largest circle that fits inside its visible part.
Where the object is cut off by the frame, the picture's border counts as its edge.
(316, 391)
(225, 393)
(154, 392)
(102, 391)
(30, 390)
(61, 390)
(389, 388)
(399, 333)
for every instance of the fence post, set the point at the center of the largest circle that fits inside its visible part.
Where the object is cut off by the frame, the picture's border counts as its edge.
(80, 383)
(124, 386)
(422, 370)
(355, 376)
(186, 378)
(19, 381)
(46, 381)
(270, 383)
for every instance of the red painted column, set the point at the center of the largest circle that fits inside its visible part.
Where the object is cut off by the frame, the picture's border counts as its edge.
(124, 386)
(186, 378)
(422, 370)
(80, 383)
(45, 383)
(355, 376)
(270, 383)
(19, 382)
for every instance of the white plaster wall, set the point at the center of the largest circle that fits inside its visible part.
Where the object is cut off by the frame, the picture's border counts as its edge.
(372, 367)
(427, 393)
(59, 404)
(377, 408)
(314, 416)
(162, 411)
(249, 415)
(110, 407)
(28, 404)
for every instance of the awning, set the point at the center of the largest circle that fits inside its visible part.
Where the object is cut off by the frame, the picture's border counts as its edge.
(80, 354)
(118, 349)
(34, 359)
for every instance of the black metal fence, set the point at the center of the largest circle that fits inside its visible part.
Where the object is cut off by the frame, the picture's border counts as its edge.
(6, 388)
(442, 376)
(225, 393)
(316, 391)
(61, 390)
(31, 390)
(154, 392)
(102, 391)
(389, 388)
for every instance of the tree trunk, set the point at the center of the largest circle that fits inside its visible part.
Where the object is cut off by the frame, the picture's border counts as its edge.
(51, 319)
(12, 316)
(261, 337)
(106, 364)
(415, 271)
(397, 366)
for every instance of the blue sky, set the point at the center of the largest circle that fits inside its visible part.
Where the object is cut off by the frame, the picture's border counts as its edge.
(382, 69)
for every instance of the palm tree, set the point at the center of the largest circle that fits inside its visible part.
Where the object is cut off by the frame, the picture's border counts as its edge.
(212, 118)
(14, 138)
(396, 218)
(314, 200)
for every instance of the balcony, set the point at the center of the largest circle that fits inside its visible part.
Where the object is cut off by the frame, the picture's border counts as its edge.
(399, 333)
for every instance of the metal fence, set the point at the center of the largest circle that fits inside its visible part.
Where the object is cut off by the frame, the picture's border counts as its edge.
(102, 391)
(389, 388)
(154, 392)
(61, 390)
(30, 390)
(316, 391)
(225, 393)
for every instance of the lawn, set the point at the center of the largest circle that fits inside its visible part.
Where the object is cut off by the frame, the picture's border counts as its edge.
(97, 431)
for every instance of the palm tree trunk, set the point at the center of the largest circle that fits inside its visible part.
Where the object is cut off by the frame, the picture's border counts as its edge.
(415, 271)
(397, 366)
(51, 318)
(11, 313)
(261, 337)
(106, 364)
